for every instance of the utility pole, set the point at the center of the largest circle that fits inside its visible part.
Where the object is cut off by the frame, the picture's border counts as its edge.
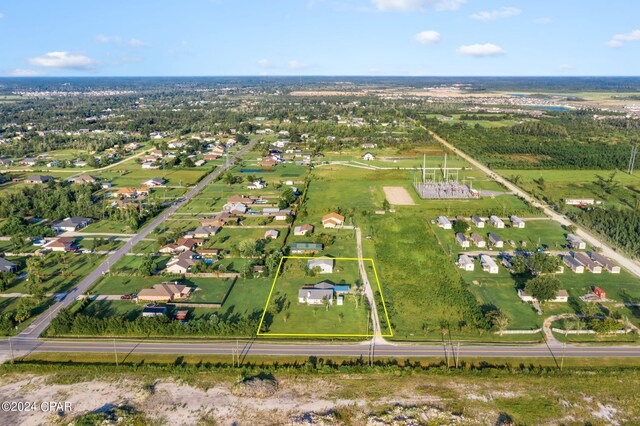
(115, 353)
(11, 349)
(632, 159)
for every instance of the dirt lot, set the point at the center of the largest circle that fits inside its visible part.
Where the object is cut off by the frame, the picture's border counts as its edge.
(398, 196)
(335, 399)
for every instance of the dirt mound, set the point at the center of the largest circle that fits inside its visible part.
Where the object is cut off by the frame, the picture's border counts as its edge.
(261, 386)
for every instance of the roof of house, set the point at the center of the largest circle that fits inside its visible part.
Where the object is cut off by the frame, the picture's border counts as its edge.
(74, 221)
(476, 237)
(302, 228)
(570, 261)
(494, 237)
(188, 242)
(319, 262)
(334, 216)
(298, 245)
(315, 294)
(5, 264)
(82, 179)
(167, 290)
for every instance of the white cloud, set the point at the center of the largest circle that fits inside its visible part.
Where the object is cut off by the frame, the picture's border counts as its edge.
(567, 67)
(134, 42)
(542, 21)
(64, 60)
(487, 49)
(503, 12)
(265, 63)
(418, 5)
(618, 40)
(427, 37)
(297, 65)
(104, 39)
(22, 72)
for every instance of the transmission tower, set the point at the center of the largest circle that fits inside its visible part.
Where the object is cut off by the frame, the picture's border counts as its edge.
(632, 159)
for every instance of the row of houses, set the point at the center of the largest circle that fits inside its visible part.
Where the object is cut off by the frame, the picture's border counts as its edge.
(487, 262)
(595, 263)
(479, 222)
(478, 240)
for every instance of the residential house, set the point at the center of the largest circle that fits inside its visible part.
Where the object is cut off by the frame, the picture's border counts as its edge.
(185, 244)
(7, 266)
(585, 260)
(151, 183)
(573, 264)
(488, 264)
(561, 296)
(235, 208)
(210, 253)
(444, 223)
(304, 247)
(303, 230)
(203, 232)
(38, 179)
(169, 249)
(368, 156)
(82, 179)
(496, 221)
(466, 262)
(478, 240)
(268, 162)
(244, 199)
(271, 233)
(282, 215)
(257, 184)
(516, 222)
(164, 292)
(325, 265)
(495, 240)
(60, 244)
(576, 242)
(608, 264)
(70, 224)
(313, 296)
(332, 220)
(150, 165)
(462, 240)
(28, 162)
(182, 263)
(477, 221)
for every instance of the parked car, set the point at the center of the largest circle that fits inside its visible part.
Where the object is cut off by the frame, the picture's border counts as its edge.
(126, 297)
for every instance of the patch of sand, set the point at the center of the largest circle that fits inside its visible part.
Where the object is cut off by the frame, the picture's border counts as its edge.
(398, 196)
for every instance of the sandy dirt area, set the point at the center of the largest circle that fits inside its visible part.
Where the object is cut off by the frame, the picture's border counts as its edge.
(398, 196)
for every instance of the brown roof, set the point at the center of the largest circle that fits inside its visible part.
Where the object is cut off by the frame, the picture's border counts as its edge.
(333, 215)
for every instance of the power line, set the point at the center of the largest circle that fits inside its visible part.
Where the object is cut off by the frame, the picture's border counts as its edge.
(632, 159)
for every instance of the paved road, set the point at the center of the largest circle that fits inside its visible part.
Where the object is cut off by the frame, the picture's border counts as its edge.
(626, 262)
(22, 347)
(35, 329)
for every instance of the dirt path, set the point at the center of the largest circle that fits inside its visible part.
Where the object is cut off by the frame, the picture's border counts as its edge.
(369, 292)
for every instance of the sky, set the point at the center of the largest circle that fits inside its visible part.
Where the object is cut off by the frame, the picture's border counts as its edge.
(319, 37)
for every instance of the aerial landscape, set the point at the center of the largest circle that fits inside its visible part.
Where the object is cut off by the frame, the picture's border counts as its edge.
(374, 212)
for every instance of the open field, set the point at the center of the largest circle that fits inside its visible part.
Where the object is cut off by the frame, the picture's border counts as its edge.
(561, 184)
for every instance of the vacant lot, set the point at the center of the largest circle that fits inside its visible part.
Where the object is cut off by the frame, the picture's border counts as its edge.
(397, 195)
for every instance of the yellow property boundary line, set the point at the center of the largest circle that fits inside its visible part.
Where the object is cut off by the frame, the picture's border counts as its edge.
(266, 306)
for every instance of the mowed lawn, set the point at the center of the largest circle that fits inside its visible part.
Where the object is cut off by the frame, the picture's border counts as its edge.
(302, 319)
(500, 290)
(546, 233)
(62, 272)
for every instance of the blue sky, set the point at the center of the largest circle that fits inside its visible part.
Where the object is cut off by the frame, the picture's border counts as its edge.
(319, 37)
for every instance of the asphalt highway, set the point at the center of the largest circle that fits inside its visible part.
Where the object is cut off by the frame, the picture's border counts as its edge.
(21, 346)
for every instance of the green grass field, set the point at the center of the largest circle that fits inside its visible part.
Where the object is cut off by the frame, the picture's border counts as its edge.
(300, 319)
